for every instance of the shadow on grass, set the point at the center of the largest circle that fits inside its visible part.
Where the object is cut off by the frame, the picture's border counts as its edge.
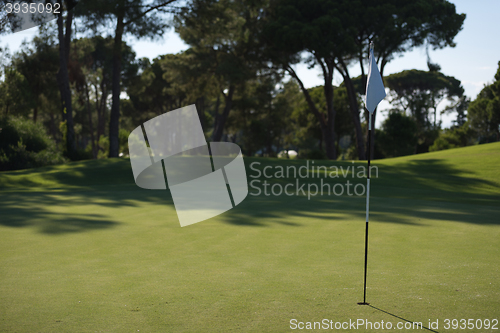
(438, 177)
(403, 193)
(88, 174)
(408, 193)
(396, 316)
(50, 211)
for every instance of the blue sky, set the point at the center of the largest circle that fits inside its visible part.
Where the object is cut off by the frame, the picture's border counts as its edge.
(473, 61)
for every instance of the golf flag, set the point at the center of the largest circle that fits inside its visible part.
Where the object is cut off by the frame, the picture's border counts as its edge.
(375, 91)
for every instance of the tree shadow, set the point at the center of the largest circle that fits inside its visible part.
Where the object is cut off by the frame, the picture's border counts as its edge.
(34, 208)
(406, 193)
(431, 178)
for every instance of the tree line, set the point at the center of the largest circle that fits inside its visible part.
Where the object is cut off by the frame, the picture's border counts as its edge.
(84, 85)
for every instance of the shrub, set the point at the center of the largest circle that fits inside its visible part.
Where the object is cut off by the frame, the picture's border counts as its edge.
(454, 137)
(398, 136)
(24, 145)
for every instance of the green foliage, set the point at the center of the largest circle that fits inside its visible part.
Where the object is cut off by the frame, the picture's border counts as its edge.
(420, 92)
(484, 112)
(221, 34)
(224, 54)
(144, 18)
(426, 139)
(334, 34)
(123, 140)
(104, 144)
(36, 95)
(460, 108)
(137, 18)
(306, 134)
(454, 137)
(14, 92)
(232, 45)
(316, 29)
(261, 120)
(398, 136)
(91, 78)
(317, 26)
(38, 63)
(24, 144)
(161, 86)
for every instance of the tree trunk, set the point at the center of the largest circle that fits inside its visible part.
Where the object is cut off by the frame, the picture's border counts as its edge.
(221, 119)
(35, 114)
(354, 108)
(101, 110)
(329, 138)
(114, 119)
(200, 106)
(326, 125)
(216, 112)
(53, 130)
(63, 81)
(91, 126)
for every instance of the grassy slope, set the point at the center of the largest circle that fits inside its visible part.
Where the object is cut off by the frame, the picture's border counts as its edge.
(84, 249)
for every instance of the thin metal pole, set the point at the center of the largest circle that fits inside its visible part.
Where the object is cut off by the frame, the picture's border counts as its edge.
(368, 152)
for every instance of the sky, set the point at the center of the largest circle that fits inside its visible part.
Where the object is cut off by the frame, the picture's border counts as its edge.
(473, 61)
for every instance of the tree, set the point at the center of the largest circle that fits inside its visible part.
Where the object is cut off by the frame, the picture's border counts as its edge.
(419, 93)
(171, 81)
(17, 22)
(148, 91)
(138, 18)
(307, 127)
(14, 92)
(460, 107)
(398, 136)
(396, 26)
(261, 120)
(39, 65)
(189, 82)
(90, 74)
(8, 21)
(484, 111)
(314, 27)
(343, 30)
(64, 31)
(222, 36)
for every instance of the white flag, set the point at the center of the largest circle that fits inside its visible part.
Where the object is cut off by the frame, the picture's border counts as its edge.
(375, 91)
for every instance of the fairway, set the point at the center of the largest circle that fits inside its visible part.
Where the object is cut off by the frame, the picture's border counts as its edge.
(83, 249)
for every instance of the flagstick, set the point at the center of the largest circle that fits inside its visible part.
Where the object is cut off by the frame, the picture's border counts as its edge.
(367, 204)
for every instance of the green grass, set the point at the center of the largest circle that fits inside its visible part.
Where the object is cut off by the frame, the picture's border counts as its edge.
(84, 250)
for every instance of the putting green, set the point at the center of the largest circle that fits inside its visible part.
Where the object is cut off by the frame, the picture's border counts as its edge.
(83, 249)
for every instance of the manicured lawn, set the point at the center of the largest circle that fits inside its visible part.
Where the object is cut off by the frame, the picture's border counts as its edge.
(85, 250)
